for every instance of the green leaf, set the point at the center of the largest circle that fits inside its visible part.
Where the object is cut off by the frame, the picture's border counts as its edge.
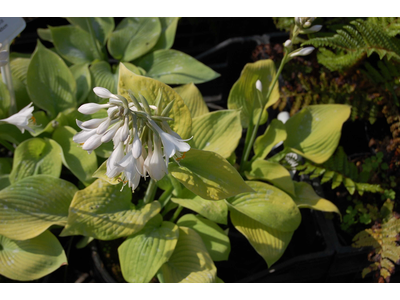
(51, 85)
(218, 131)
(193, 99)
(216, 211)
(31, 259)
(101, 174)
(4, 181)
(45, 34)
(272, 172)
(33, 204)
(102, 76)
(175, 67)
(4, 101)
(81, 164)
(74, 44)
(81, 74)
(12, 134)
(167, 36)
(102, 27)
(274, 134)
(307, 198)
(36, 156)
(208, 175)
(269, 242)
(269, 206)
(150, 88)
(5, 165)
(19, 70)
(214, 238)
(314, 132)
(142, 255)
(104, 212)
(134, 37)
(243, 93)
(190, 261)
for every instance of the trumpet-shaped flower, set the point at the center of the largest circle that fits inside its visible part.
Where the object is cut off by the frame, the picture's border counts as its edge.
(156, 165)
(21, 119)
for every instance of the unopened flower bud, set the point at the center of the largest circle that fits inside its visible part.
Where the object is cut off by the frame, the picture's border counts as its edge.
(287, 44)
(259, 85)
(104, 93)
(307, 24)
(302, 52)
(315, 28)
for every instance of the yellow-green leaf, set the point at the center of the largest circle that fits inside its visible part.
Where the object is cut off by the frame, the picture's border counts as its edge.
(102, 27)
(269, 206)
(142, 254)
(31, 259)
(150, 88)
(193, 99)
(307, 198)
(218, 131)
(36, 156)
(33, 204)
(82, 77)
(101, 173)
(270, 243)
(190, 261)
(274, 134)
(314, 132)
(208, 175)
(216, 211)
(104, 212)
(243, 93)
(272, 172)
(214, 238)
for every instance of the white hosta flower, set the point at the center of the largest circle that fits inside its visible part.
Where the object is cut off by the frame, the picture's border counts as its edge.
(91, 108)
(302, 52)
(130, 172)
(113, 167)
(171, 143)
(259, 85)
(93, 142)
(93, 123)
(136, 145)
(21, 119)
(104, 93)
(156, 165)
(110, 133)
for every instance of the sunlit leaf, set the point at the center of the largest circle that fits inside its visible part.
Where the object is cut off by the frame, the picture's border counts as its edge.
(214, 238)
(190, 261)
(243, 93)
(269, 206)
(272, 172)
(193, 99)
(36, 156)
(274, 134)
(33, 204)
(142, 254)
(208, 175)
(314, 132)
(31, 259)
(104, 212)
(83, 81)
(219, 131)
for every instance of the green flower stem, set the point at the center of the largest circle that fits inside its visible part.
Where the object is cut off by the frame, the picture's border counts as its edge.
(166, 196)
(150, 192)
(249, 145)
(176, 213)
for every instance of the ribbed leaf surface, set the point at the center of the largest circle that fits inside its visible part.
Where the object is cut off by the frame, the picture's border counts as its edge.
(193, 99)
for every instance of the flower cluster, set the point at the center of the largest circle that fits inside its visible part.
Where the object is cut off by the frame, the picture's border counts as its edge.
(143, 141)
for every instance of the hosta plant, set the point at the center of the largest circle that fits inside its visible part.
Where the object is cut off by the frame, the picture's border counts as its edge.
(144, 135)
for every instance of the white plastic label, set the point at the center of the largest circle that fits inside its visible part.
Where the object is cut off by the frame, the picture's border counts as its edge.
(10, 28)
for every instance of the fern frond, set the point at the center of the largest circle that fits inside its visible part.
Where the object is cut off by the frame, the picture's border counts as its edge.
(339, 170)
(354, 43)
(383, 239)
